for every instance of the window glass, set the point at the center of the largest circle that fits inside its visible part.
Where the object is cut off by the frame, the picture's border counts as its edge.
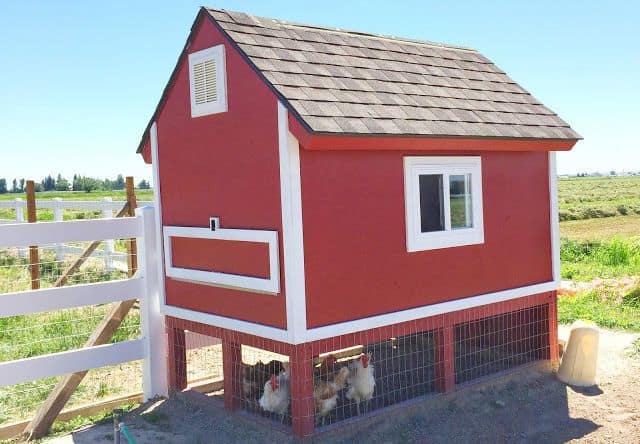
(460, 201)
(431, 203)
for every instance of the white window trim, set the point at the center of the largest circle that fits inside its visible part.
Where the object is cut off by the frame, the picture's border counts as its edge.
(414, 166)
(219, 106)
(270, 285)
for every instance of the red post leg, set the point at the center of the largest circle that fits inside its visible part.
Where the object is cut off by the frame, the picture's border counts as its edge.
(553, 328)
(232, 369)
(445, 358)
(177, 365)
(302, 405)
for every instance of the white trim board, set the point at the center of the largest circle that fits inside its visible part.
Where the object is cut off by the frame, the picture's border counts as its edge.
(250, 328)
(270, 285)
(554, 219)
(341, 328)
(292, 230)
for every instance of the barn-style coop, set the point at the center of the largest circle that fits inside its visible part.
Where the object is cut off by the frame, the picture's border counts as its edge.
(361, 219)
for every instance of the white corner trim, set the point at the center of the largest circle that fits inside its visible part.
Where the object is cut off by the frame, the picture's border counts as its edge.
(554, 219)
(269, 285)
(217, 55)
(328, 331)
(157, 205)
(414, 166)
(251, 328)
(292, 230)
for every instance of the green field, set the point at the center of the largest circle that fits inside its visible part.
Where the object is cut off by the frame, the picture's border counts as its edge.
(595, 197)
(45, 215)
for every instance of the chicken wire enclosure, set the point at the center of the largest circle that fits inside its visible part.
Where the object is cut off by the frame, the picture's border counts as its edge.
(502, 342)
(354, 381)
(346, 382)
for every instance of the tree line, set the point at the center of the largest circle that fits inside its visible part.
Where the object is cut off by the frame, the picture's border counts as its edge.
(78, 183)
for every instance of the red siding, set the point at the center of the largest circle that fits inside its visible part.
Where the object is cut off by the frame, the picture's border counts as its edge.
(356, 261)
(222, 165)
(224, 256)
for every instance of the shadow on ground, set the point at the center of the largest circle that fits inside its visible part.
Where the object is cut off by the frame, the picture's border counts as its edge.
(525, 407)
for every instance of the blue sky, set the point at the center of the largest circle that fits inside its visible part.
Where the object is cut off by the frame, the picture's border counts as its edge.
(81, 79)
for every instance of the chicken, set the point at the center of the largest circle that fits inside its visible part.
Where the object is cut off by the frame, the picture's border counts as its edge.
(277, 394)
(325, 393)
(362, 382)
(255, 376)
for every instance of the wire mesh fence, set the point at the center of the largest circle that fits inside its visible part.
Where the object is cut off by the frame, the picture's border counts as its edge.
(498, 343)
(43, 333)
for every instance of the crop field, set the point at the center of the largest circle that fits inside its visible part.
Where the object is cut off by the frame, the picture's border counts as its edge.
(595, 197)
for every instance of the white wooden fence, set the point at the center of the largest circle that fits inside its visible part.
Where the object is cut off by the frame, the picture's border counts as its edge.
(144, 285)
(113, 260)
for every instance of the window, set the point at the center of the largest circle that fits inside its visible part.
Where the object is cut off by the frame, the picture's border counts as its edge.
(208, 83)
(443, 201)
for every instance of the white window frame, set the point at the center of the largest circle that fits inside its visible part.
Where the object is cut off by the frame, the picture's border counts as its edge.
(215, 53)
(414, 166)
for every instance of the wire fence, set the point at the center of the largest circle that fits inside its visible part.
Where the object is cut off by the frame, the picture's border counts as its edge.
(43, 333)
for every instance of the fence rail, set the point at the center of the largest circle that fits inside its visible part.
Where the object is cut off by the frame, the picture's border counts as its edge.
(113, 260)
(143, 286)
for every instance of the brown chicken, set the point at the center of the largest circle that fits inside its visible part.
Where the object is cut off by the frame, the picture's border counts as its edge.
(325, 393)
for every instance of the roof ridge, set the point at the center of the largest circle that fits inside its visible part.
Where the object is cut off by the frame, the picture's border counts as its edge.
(333, 30)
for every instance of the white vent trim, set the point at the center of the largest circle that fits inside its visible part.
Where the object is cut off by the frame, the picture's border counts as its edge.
(208, 81)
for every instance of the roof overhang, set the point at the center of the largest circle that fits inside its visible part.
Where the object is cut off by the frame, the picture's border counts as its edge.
(344, 142)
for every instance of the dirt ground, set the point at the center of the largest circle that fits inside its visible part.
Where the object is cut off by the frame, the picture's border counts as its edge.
(528, 406)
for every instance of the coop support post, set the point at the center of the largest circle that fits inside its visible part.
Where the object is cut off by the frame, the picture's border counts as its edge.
(177, 359)
(445, 356)
(553, 328)
(57, 217)
(152, 321)
(302, 405)
(109, 244)
(231, 368)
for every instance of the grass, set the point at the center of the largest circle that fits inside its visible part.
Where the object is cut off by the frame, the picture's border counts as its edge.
(597, 197)
(46, 215)
(82, 195)
(606, 309)
(601, 229)
(585, 260)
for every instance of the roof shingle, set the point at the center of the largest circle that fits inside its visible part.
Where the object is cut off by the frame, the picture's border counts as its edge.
(343, 82)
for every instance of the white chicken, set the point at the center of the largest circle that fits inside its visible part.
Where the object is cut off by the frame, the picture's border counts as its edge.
(325, 393)
(277, 394)
(362, 382)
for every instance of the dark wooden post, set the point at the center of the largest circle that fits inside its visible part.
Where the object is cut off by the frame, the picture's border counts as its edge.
(445, 357)
(177, 365)
(34, 257)
(231, 368)
(553, 328)
(302, 405)
(132, 247)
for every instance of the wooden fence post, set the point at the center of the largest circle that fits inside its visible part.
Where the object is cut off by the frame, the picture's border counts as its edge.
(152, 321)
(132, 259)
(34, 259)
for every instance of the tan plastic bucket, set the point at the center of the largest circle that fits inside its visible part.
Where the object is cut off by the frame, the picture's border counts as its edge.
(580, 358)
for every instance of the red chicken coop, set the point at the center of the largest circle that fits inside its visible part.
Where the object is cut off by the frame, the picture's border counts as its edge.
(361, 219)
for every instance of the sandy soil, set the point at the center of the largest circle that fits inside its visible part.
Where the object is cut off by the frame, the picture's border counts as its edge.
(528, 406)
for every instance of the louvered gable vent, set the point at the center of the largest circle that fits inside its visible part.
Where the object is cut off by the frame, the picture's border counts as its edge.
(208, 82)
